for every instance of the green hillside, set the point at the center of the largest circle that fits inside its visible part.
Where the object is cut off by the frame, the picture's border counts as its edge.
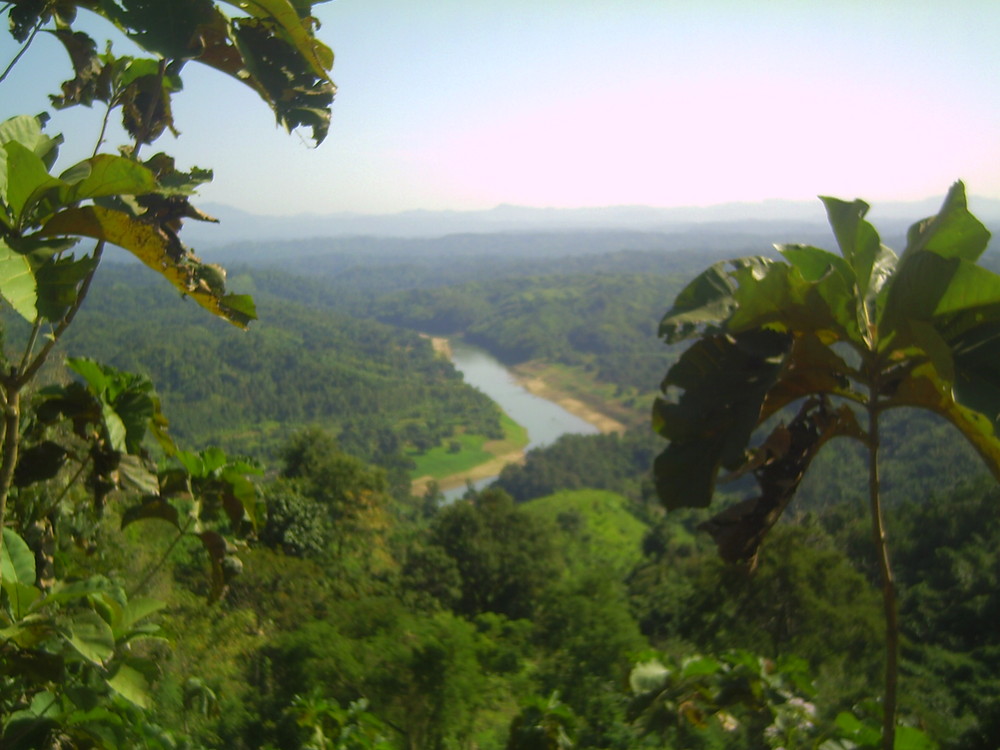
(596, 529)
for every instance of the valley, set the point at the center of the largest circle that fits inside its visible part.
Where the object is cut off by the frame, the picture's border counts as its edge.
(365, 585)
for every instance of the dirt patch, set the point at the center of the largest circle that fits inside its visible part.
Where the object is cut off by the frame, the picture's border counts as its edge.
(442, 346)
(489, 469)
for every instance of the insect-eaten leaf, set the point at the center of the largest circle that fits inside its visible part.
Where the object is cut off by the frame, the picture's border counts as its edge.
(778, 467)
(157, 246)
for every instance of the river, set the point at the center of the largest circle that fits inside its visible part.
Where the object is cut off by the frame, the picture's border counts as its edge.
(544, 420)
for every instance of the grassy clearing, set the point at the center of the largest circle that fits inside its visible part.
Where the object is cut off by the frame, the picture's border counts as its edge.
(475, 450)
(598, 529)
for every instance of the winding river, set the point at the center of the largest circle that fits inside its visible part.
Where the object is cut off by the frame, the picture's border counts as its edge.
(544, 420)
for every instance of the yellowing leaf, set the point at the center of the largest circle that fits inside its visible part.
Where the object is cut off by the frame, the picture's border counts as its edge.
(150, 244)
(317, 54)
(925, 390)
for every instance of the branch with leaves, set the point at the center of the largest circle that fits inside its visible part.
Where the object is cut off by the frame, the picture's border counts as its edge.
(865, 328)
(65, 644)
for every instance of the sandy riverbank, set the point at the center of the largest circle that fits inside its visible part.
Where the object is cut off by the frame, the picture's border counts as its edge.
(482, 471)
(441, 344)
(537, 387)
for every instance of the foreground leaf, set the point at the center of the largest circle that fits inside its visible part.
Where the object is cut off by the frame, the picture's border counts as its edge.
(152, 246)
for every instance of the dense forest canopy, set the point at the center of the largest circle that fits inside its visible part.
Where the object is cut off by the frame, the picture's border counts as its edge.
(368, 611)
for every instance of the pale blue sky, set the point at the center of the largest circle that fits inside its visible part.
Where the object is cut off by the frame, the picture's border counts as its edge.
(466, 104)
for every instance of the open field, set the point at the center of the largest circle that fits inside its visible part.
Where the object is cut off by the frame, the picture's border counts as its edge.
(478, 458)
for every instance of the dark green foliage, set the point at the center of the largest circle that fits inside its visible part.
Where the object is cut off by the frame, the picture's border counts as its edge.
(805, 599)
(611, 462)
(504, 556)
(297, 525)
(599, 322)
(589, 637)
(373, 386)
(543, 724)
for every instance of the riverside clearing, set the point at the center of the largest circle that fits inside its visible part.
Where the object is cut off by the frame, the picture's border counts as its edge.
(535, 386)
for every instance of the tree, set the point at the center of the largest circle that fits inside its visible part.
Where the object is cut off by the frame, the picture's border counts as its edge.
(504, 556)
(842, 336)
(59, 633)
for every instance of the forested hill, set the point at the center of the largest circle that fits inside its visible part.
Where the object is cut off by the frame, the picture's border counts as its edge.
(604, 323)
(375, 386)
(327, 254)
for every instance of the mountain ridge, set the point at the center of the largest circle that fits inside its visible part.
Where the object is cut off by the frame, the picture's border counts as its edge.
(238, 225)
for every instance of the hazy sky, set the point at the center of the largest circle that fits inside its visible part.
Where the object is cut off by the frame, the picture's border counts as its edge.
(464, 104)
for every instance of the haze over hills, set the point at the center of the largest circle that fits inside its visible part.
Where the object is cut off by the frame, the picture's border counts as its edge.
(768, 218)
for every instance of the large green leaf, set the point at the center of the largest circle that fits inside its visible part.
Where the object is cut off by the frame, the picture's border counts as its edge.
(75, 591)
(39, 463)
(144, 23)
(297, 94)
(103, 175)
(785, 300)
(725, 381)
(810, 369)
(976, 359)
(707, 301)
(28, 179)
(150, 508)
(17, 282)
(953, 233)
(17, 561)
(814, 263)
(950, 293)
(91, 636)
(131, 685)
(26, 131)
(858, 240)
(969, 286)
(135, 611)
(58, 284)
(241, 498)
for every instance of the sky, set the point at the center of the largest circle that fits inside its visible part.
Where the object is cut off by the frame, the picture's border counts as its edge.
(468, 104)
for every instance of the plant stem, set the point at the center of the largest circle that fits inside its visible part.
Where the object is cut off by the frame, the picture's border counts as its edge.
(11, 435)
(888, 583)
(27, 373)
(20, 53)
(152, 570)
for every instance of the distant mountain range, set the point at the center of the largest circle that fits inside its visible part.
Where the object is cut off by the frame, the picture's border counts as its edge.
(764, 218)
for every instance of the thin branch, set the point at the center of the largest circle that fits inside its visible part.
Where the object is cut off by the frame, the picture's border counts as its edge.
(28, 372)
(104, 129)
(32, 340)
(155, 567)
(11, 435)
(69, 484)
(888, 582)
(20, 53)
